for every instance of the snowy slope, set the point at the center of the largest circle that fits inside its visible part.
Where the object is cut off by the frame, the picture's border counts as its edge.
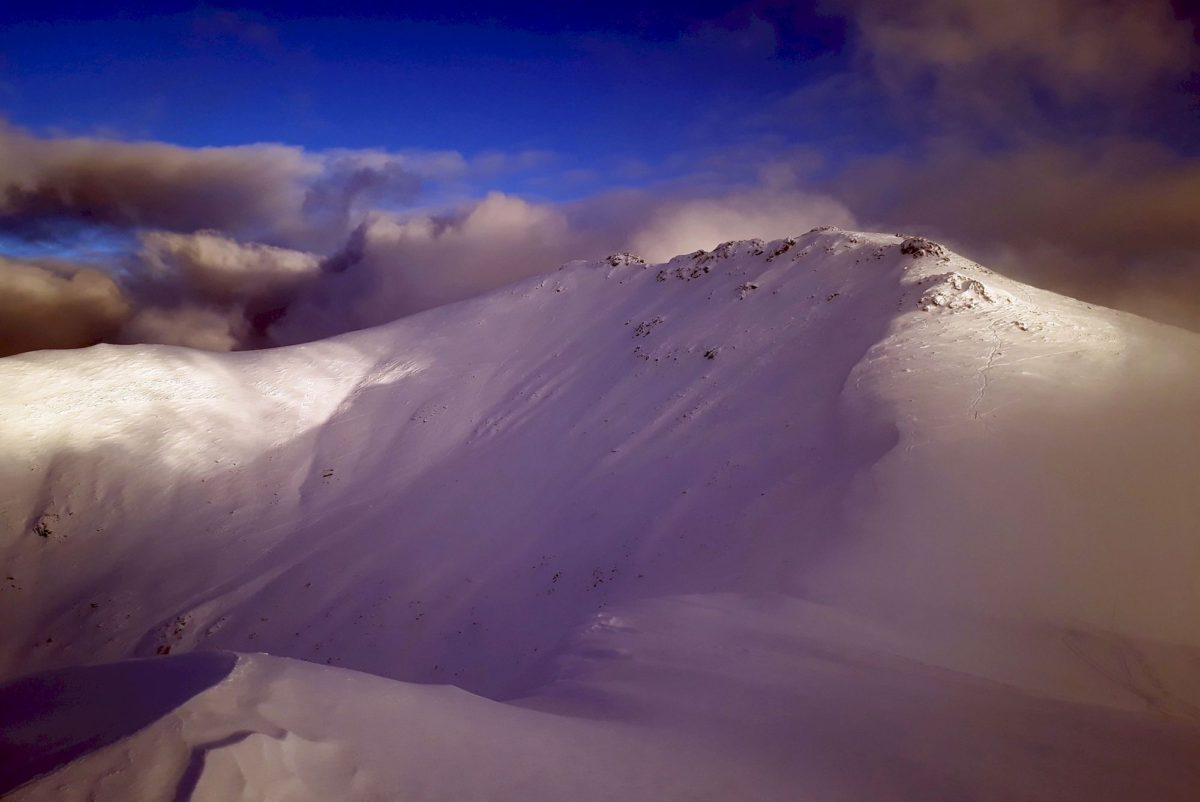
(814, 518)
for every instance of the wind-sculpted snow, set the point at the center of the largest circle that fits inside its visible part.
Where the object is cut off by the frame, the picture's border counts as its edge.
(838, 516)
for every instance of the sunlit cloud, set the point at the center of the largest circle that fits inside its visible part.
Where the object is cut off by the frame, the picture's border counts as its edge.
(59, 306)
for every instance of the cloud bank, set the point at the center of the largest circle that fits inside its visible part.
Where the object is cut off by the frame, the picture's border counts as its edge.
(48, 186)
(396, 265)
(225, 236)
(200, 327)
(67, 307)
(222, 270)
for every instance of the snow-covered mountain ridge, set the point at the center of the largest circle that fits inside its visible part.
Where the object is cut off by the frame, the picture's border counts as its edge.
(681, 516)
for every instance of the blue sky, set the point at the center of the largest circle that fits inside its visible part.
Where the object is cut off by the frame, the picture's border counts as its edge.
(590, 92)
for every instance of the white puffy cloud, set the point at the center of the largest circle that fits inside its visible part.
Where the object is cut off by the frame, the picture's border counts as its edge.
(192, 326)
(682, 225)
(399, 265)
(221, 269)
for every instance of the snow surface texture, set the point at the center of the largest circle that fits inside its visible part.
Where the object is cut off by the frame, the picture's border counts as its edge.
(844, 516)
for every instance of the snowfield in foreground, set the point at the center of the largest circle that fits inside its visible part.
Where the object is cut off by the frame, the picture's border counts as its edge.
(838, 517)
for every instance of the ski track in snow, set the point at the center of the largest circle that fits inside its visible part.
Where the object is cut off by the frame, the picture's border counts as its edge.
(843, 516)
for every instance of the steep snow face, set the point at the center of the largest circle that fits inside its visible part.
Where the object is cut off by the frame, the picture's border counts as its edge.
(686, 513)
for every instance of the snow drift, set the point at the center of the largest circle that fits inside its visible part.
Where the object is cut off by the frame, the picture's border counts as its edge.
(838, 516)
